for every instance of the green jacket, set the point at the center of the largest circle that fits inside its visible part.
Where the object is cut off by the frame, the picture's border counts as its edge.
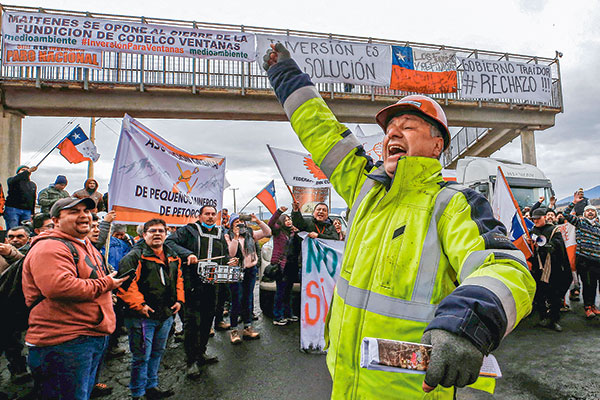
(49, 196)
(420, 254)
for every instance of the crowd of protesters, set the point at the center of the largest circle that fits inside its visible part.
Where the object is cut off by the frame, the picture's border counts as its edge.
(93, 282)
(557, 278)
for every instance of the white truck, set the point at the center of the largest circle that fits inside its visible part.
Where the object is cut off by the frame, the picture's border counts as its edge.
(527, 182)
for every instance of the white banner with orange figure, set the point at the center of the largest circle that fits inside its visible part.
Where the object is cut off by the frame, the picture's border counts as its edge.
(298, 169)
(321, 263)
(152, 178)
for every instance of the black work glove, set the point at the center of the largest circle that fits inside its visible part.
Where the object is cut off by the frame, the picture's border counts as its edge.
(272, 57)
(455, 361)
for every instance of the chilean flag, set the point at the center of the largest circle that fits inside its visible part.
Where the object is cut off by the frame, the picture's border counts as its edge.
(423, 71)
(76, 147)
(506, 210)
(267, 197)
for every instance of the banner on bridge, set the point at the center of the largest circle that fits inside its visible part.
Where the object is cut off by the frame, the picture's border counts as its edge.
(321, 263)
(86, 33)
(489, 79)
(332, 61)
(40, 56)
(151, 178)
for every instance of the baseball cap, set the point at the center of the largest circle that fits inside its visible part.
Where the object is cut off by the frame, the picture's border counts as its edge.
(538, 213)
(70, 202)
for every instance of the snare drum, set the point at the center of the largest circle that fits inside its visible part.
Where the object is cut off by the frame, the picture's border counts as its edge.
(211, 272)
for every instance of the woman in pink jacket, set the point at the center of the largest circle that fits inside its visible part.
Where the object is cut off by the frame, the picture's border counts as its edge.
(242, 241)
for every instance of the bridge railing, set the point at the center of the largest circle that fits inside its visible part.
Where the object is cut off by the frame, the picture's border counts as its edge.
(197, 74)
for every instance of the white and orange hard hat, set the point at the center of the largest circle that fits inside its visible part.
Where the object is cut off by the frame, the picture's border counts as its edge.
(422, 106)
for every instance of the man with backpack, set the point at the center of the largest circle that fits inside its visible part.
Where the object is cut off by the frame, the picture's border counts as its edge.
(67, 288)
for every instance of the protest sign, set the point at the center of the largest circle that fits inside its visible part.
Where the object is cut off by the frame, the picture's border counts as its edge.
(125, 36)
(34, 56)
(309, 197)
(331, 61)
(298, 169)
(568, 234)
(423, 71)
(489, 79)
(151, 178)
(321, 262)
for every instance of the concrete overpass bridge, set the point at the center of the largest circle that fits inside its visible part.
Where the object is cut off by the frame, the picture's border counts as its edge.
(148, 86)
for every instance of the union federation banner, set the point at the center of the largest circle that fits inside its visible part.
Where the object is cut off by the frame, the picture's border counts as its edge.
(321, 263)
(151, 178)
(298, 169)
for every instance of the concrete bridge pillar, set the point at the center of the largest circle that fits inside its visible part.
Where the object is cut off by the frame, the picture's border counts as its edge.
(528, 147)
(10, 145)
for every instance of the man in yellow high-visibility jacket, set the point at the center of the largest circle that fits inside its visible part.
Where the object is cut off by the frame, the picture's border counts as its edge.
(424, 260)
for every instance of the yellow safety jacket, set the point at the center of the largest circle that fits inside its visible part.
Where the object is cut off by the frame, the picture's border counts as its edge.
(420, 254)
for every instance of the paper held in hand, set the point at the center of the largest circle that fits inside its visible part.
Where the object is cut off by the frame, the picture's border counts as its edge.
(407, 357)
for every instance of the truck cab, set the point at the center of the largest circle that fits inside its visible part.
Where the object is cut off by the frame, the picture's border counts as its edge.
(527, 182)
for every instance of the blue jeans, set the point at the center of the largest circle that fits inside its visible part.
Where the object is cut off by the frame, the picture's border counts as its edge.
(282, 307)
(67, 370)
(147, 342)
(14, 216)
(242, 298)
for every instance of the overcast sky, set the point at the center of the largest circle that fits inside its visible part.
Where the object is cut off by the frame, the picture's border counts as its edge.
(567, 153)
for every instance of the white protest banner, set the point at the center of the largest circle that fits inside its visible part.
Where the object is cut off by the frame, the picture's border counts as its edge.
(151, 178)
(40, 56)
(125, 36)
(321, 262)
(434, 60)
(373, 144)
(489, 79)
(331, 61)
(298, 169)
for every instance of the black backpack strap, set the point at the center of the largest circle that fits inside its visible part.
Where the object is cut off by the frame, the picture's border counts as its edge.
(75, 255)
(69, 245)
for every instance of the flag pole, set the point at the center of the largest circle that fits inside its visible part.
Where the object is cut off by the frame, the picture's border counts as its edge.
(52, 149)
(516, 206)
(280, 174)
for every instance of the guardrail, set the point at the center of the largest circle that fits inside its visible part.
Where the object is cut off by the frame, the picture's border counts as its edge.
(196, 74)
(460, 143)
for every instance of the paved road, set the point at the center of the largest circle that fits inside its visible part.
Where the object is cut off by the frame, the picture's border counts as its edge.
(537, 364)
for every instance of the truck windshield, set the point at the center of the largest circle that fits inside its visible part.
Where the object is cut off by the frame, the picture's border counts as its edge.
(526, 197)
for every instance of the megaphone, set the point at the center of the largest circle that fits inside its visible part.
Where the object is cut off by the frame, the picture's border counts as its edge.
(539, 240)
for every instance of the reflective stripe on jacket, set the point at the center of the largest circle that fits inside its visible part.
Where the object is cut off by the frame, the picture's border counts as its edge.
(419, 254)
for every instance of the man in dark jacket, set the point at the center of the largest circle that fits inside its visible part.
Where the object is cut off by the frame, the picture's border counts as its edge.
(193, 242)
(154, 296)
(550, 268)
(317, 226)
(20, 202)
(581, 204)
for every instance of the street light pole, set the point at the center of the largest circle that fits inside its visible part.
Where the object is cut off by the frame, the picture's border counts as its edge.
(234, 203)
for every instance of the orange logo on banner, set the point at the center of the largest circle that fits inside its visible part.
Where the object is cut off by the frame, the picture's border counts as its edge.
(185, 177)
(313, 169)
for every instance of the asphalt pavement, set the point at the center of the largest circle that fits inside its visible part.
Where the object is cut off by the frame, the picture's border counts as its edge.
(536, 363)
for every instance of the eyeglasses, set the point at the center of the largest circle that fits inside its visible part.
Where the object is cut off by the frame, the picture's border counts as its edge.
(152, 230)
